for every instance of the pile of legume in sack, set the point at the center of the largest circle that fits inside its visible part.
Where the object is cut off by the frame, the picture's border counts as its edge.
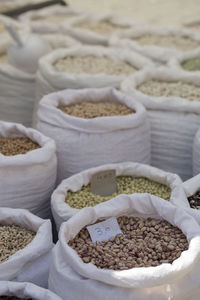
(90, 110)
(158, 43)
(32, 158)
(172, 100)
(25, 248)
(192, 64)
(181, 89)
(125, 185)
(140, 234)
(79, 190)
(143, 243)
(86, 67)
(183, 43)
(192, 191)
(104, 118)
(15, 146)
(93, 65)
(12, 239)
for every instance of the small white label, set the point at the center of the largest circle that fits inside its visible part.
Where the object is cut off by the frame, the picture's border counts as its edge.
(104, 230)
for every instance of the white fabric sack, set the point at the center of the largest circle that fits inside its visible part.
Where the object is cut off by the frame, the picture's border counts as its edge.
(160, 54)
(62, 211)
(176, 62)
(72, 279)
(192, 186)
(50, 80)
(174, 120)
(17, 91)
(26, 290)
(34, 18)
(85, 143)
(30, 264)
(17, 87)
(28, 180)
(91, 37)
(196, 154)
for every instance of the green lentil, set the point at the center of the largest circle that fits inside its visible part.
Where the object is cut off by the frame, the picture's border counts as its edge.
(125, 184)
(192, 64)
(183, 43)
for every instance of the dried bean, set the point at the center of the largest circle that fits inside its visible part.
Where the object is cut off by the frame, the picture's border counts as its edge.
(125, 185)
(103, 27)
(14, 146)
(12, 239)
(135, 252)
(194, 200)
(158, 88)
(89, 110)
(93, 65)
(192, 64)
(183, 43)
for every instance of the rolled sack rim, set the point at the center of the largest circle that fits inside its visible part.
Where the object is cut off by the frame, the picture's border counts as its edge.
(45, 153)
(49, 113)
(144, 277)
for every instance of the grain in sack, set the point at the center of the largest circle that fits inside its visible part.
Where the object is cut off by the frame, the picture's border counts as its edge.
(187, 62)
(171, 98)
(155, 256)
(75, 192)
(192, 192)
(157, 43)
(85, 67)
(26, 244)
(97, 29)
(88, 142)
(24, 291)
(49, 19)
(28, 169)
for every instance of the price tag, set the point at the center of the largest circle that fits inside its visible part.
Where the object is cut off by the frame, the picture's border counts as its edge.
(104, 183)
(104, 230)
